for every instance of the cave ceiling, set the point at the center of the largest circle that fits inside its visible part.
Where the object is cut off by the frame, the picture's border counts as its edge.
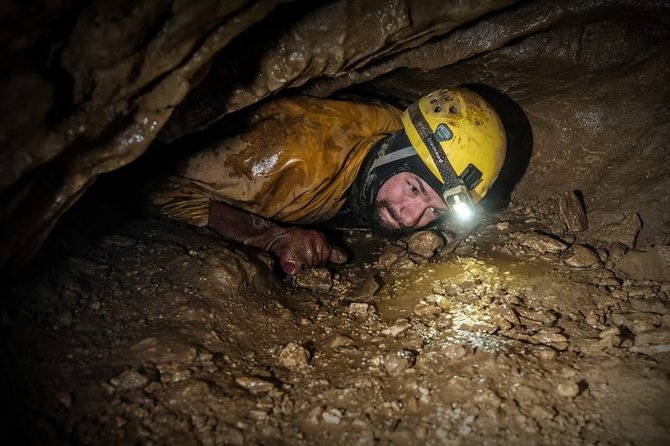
(90, 86)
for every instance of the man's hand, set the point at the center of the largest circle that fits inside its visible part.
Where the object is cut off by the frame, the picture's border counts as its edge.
(299, 248)
(296, 248)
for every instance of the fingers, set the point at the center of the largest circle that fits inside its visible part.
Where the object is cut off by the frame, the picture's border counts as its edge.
(337, 255)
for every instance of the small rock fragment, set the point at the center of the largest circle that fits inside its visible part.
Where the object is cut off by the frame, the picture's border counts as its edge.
(580, 256)
(254, 384)
(340, 341)
(540, 242)
(316, 279)
(568, 389)
(359, 309)
(624, 232)
(572, 211)
(424, 243)
(396, 363)
(294, 356)
(426, 310)
(400, 326)
(129, 379)
(653, 264)
(390, 255)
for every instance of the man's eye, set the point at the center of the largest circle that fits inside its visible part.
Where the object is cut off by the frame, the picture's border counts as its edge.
(436, 212)
(414, 190)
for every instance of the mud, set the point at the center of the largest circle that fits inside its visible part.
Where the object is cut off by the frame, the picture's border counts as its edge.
(156, 333)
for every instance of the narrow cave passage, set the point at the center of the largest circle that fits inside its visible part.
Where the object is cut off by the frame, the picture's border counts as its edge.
(547, 321)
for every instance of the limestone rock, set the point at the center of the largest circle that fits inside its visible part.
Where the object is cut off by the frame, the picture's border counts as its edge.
(540, 242)
(580, 256)
(424, 243)
(316, 279)
(294, 356)
(572, 211)
(659, 336)
(653, 264)
(624, 232)
(254, 384)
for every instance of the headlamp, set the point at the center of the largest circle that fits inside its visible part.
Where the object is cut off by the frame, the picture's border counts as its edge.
(460, 202)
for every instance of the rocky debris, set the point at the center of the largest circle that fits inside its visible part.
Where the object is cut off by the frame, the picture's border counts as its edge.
(637, 322)
(572, 211)
(541, 243)
(424, 243)
(315, 279)
(294, 356)
(652, 264)
(624, 232)
(399, 327)
(254, 384)
(580, 256)
(426, 310)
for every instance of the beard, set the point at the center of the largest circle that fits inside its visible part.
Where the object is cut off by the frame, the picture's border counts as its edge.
(381, 227)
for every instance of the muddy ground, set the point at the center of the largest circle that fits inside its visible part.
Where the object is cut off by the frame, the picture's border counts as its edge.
(531, 331)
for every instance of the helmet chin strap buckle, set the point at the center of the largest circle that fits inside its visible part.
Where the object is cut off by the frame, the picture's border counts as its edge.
(460, 202)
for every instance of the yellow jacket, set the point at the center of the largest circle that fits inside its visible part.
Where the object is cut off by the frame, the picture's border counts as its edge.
(293, 164)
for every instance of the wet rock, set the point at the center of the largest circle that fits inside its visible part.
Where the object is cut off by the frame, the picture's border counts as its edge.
(476, 325)
(579, 256)
(403, 265)
(399, 327)
(129, 379)
(390, 255)
(552, 338)
(424, 243)
(426, 310)
(254, 384)
(316, 279)
(359, 309)
(659, 336)
(653, 264)
(540, 242)
(368, 288)
(66, 318)
(572, 211)
(65, 399)
(624, 232)
(294, 356)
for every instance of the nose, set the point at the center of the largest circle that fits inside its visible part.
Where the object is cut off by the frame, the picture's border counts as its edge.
(410, 216)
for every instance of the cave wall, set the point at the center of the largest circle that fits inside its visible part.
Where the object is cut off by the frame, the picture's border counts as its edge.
(90, 86)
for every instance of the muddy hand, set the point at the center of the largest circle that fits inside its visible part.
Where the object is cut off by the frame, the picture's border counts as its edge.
(299, 248)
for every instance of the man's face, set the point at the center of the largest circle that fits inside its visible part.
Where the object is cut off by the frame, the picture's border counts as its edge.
(405, 202)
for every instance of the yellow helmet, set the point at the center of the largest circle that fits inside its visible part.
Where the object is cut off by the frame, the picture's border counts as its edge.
(460, 138)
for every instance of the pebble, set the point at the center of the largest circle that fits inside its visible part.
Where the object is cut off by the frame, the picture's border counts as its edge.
(254, 384)
(399, 327)
(66, 318)
(390, 255)
(398, 362)
(129, 379)
(294, 356)
(316, 279)
(424, 243)
(652, 264)
(65, 398)
(426, 310)
(359, 309)
(568, 389)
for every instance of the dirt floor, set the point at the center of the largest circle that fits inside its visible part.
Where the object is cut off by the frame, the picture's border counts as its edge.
(527, 333)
